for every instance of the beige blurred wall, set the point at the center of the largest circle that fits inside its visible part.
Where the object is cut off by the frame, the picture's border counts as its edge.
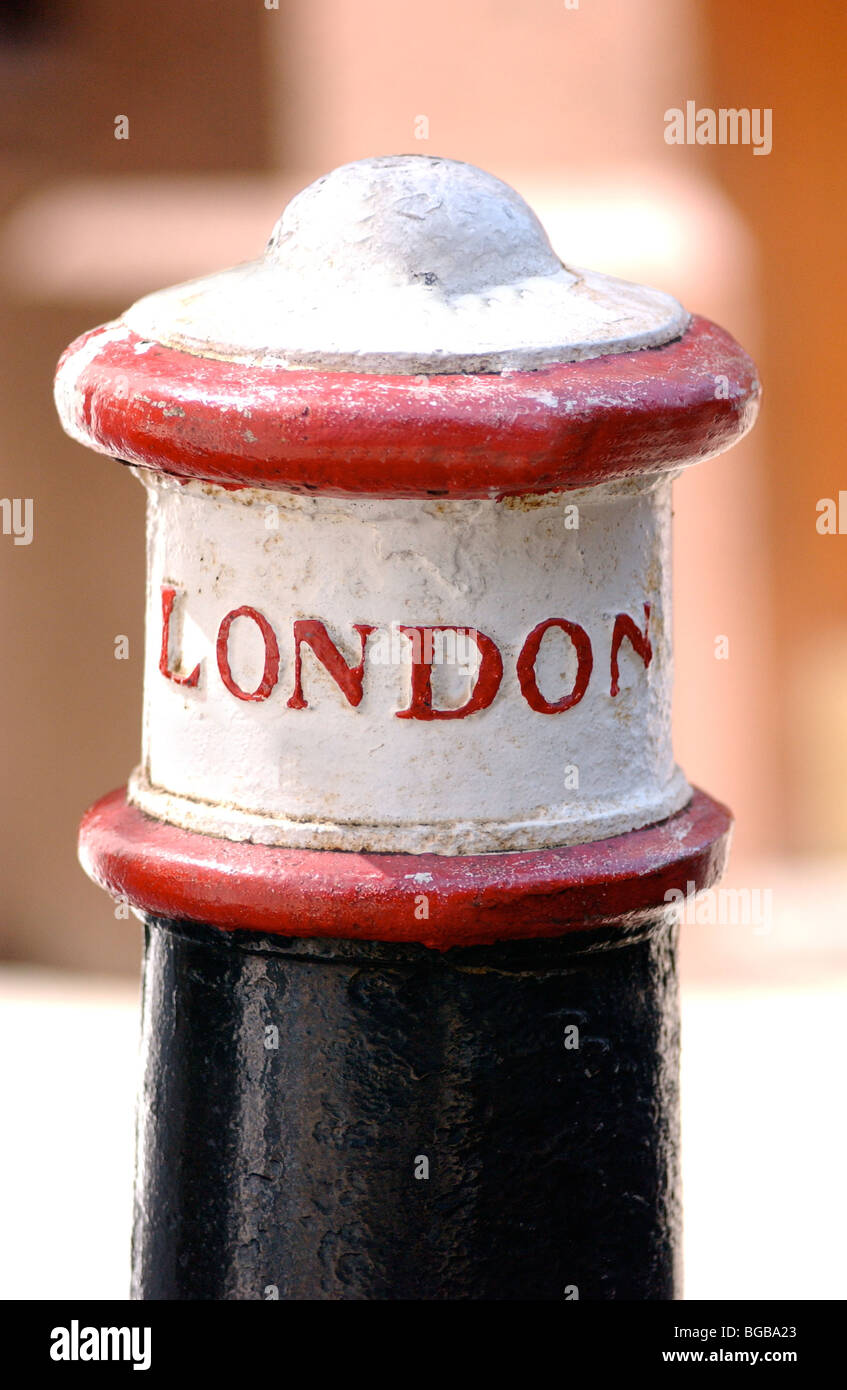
(792, 58)
(186, 75)
(521, 86)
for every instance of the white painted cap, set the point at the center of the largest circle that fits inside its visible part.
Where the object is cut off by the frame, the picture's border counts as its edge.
(408, 264)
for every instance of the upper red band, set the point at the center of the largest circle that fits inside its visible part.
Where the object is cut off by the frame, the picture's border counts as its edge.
(560, 427)
(437, 900)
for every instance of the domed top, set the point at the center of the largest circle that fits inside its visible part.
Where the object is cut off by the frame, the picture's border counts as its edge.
(408, 333)
(410, 219)
(407, 264)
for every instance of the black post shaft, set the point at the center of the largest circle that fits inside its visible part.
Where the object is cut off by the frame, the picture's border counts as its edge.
(297, 1092)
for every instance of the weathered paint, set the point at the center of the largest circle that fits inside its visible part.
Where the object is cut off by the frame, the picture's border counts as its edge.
(514, 740)
(407, 264)
(384, 433)
(297, 1171)
(345, 433)
(408, 422)
(439, 900)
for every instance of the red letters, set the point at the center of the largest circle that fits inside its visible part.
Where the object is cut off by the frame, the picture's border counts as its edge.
(347, 678)
(270, 675)
(350, 679)
(526, 667)
(625, 627)
(487, 682)
(168, 596)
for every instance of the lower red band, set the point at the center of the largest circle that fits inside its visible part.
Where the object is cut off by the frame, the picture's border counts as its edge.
(437, 900)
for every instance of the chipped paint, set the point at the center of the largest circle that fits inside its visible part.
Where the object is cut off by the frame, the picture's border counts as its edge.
(350, 282)
(335, 776)
(387, 422)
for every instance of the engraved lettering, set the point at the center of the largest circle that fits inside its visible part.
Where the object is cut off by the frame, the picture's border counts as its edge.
(347, 678)
(640, 642)
(168, 597)
(529, 654)
(486, 685)
(270, 674)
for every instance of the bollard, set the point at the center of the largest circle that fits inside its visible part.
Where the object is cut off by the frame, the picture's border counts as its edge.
(407, 830)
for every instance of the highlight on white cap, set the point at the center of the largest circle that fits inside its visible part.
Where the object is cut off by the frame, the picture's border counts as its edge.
(408, 264)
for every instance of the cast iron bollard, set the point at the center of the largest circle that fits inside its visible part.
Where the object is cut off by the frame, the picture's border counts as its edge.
(407, 812)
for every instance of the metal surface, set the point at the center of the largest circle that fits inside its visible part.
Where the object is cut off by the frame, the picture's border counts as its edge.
(410, 1013)
(348, 434)
(289, 1170)
(437, 900)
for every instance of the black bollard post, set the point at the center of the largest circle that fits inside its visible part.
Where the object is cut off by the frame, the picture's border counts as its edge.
(407, 834)
(493, 1122)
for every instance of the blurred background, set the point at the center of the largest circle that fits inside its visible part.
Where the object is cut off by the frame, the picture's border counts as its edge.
(142, 145)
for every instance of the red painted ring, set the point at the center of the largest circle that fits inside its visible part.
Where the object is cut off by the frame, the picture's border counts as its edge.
(560, 427)
(471, 899)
